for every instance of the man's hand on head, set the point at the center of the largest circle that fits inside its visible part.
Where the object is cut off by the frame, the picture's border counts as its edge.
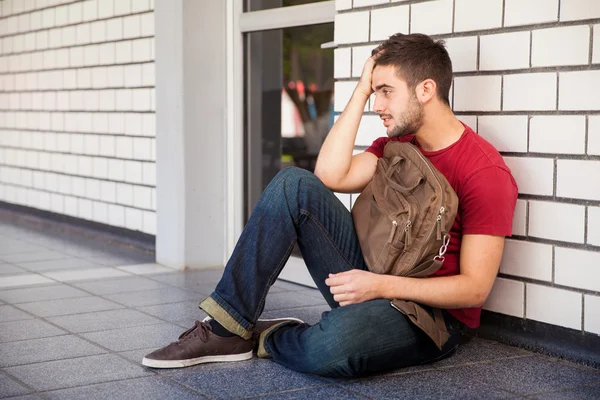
(354, 286)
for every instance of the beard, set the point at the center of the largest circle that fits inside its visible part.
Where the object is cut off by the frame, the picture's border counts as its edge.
(410, 121)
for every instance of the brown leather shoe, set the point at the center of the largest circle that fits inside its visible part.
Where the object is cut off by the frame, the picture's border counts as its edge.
(199, 345)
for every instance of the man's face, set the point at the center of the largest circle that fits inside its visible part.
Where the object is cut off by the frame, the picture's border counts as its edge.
(398, 107)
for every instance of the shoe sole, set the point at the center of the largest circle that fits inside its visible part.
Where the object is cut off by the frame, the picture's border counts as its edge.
(148, 362)
(281, 320)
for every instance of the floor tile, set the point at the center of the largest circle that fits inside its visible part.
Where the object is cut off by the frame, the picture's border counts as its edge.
(9, 269)
(584, 392)
(27, 397)
(152, 297)
(145, 269)
(245, 379)
(84, 274)
(9, 387)
(19, 246)
(51, 308)
(117, 261)
(27, 329)
(531, 375)
(204, 280)
(425, 385)
(33, 256)
(284, 300)
(9, 313)
(137, 337)
(178, 313)
(132, 389)
(103, 320)
(320, 392)
(23, 280)
(310, 315)
(137, 355)
(62, 264)
(41, 293)
(480, 350)
(119, 285)
(45, 349)
(76, 372)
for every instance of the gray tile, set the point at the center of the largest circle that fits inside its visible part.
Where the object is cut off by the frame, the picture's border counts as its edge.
(137, 355)
(310, 315)
(27, 397)
(529, 375)
(76, 372)
(9, 313)
(51, 308)
(52, 265)
(152, 297)
(244, 380)
(9, 269)
(289, 286)
(14, 281)
(40, 293)
(480, 350)
(285, 300)
(425, 385)
(119, 285)
(137, 337)
(203, 281)
(45, 349)
(584, 392)
(117, 261)
(9, 387)
(33, 256)
(27, 329)
(12, 246)
(321, 392)
(133, 389)
(103, 320)
(184, 313)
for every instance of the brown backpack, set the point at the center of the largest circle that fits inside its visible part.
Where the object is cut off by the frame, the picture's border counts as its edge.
(403, 219)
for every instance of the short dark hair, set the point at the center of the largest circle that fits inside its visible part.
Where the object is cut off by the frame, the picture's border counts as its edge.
(418, 57)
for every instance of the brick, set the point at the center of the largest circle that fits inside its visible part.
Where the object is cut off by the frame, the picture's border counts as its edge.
(124, 194)
(343, 91)
(141, 99)
(432, 17)
(463, 53)
(593, 135)
(133, 171)
(142, 149)
(526, 12)
(116, 123)
(149, 174)
(365, 3)
(107, 53)
(106, 101)
(131, 27)
(572, 10)
(504, 51)
(533, 91)
(147, 124)
(105, 9)
(108, 191)
(571, 95)
(98, 31)
(84, 34)
(388, 21)
(148, 75)
(124, 147)
(140, 5)
(557, 134)
(85, 165)
(99, 77)
(61, 15)
(351, 27)
(147, 24)
(132, 75)
(48, 17)
(108, 146)
(100, 212)
(92, 189)
(116, 169)
(133, 219)
(124, 52)
(527, 260)
(519, 219)
(122, 7)
(591, 313)
(343, 4)
(75, 12)
(596, 44)
(116, 215)
(477, 93)
(571, 178)
(593, 226)
(344, 198)
(505, 132)
(142, 197)
(100, 121)
(556, 221)
(507, 297)
(533, 175)
(489, 15)
(123, 99)
(560, 46)
(115, 76)
(577, 268)
(90, 10)
(553, 306)
(360, 54)
(149, 222)
(369, 129)
(69, 79)
(114, 29)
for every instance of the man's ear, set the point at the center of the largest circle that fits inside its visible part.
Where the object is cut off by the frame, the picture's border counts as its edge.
(426, 90)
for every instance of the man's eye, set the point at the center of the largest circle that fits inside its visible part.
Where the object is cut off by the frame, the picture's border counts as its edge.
(386, 92)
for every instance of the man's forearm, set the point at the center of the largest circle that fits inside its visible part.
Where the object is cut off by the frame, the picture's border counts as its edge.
(456, 291)
(335, 156)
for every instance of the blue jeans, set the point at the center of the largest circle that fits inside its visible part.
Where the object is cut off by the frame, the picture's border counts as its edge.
(353, 340)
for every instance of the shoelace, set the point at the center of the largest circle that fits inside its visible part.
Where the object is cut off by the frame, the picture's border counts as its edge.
(200, 330)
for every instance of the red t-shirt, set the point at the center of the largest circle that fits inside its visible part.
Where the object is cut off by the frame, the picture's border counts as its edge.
(487, 195)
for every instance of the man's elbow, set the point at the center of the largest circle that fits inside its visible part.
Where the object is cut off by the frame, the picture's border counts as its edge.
(478, 298)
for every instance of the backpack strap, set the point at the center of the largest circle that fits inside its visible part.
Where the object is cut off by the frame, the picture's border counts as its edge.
(434, 327)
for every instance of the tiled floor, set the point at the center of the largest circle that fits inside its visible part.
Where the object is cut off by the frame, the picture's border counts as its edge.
(76, 317)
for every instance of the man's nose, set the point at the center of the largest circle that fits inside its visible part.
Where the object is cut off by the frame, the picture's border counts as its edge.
(378, 105)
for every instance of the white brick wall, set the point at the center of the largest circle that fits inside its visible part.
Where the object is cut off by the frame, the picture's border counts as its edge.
(504, 51)
(528, 260)
(64, 108)
(557, 221)
(557, 134)
(578, 179)
(507, 297)
(554, 306)
(560, 46)
(530, 92)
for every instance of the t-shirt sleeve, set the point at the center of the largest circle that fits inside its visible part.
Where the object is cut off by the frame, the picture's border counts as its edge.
(487, 203)
(377, 146)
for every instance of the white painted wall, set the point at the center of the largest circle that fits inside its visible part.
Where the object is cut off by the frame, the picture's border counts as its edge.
(527, 77)
(77, 123)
